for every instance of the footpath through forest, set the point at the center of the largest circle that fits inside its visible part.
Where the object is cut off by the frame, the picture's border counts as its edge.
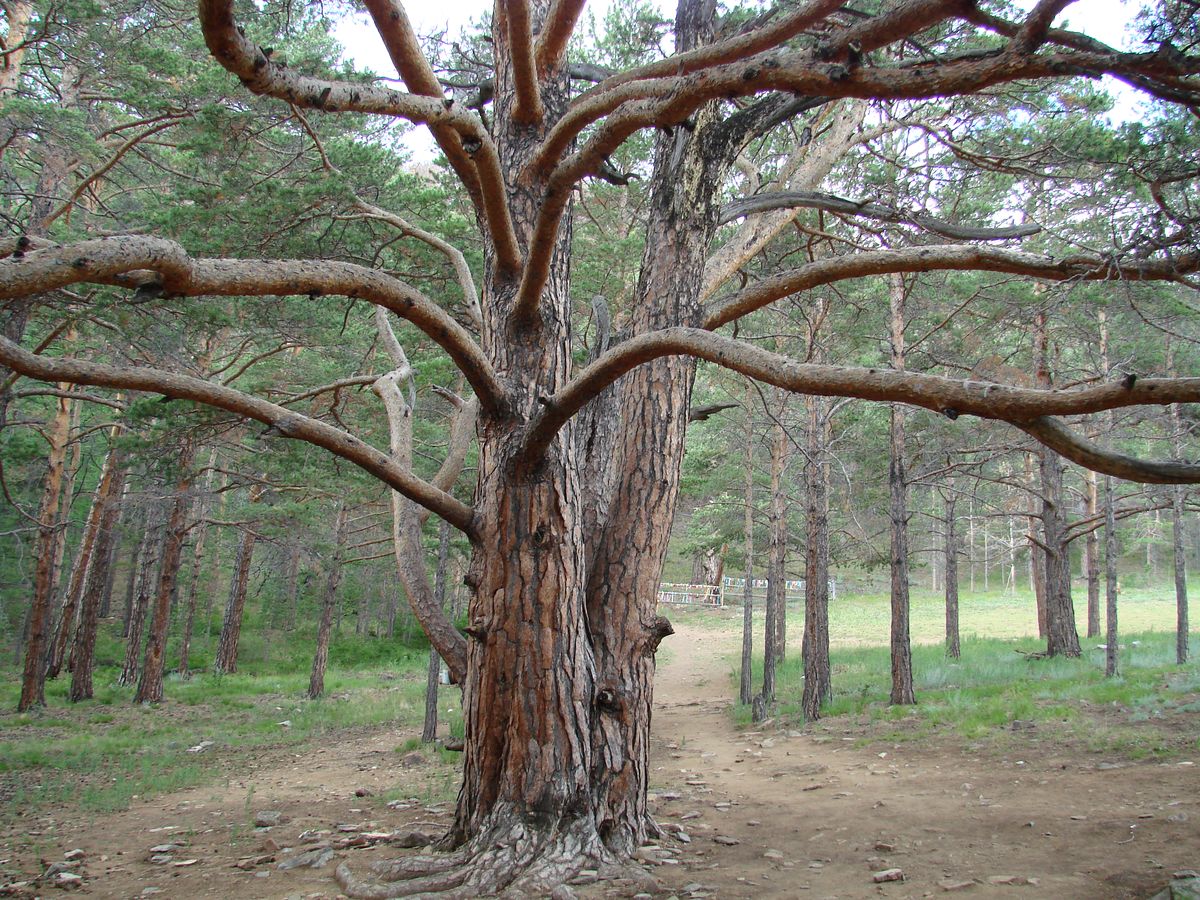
(772, 813)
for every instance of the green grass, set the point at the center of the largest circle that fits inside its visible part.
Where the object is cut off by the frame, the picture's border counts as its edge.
(977, 698)
(99, 754)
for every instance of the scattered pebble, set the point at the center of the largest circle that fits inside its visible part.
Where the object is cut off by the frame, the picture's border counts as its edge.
(888, 875)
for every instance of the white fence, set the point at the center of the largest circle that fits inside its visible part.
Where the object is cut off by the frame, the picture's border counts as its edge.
(711, 595)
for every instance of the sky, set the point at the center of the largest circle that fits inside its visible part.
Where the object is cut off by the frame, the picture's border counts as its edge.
(1106, 20)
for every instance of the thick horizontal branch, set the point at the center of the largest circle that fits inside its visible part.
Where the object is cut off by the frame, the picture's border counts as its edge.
(944, 257)
(281, 421)
(1069, 445)
(759, 203)
(159, 265)
(1023, 407)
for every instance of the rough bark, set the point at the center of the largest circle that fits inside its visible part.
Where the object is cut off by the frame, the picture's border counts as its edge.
(746, 676)
(98, 581)
(49, 534)
(901, 648)
(1110, 581)
(1180, 569)
(1091, 557)
(818, 681)
(316, 680)
(225, 662)
(101, 500)
(150, 684)
(953, 650)
(776, 604)
(1061, 637)
(143, 584)
(201, 532)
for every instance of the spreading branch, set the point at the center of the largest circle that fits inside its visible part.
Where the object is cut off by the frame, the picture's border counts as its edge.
(156, 265)
(830, 203)
(280, 421)
(528, 108)
(1026, 408)
(944, 257)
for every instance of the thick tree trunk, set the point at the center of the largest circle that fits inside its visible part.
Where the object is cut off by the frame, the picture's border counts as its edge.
(225, 662)
(150, 685)
(99, 577)
(1061, 637)
(953, 650)
(1110, 581)
(901, 648)
(746, 675)
(818, 683)
(1091, 557)
(33, 691)
(316, 680)
(83, 561)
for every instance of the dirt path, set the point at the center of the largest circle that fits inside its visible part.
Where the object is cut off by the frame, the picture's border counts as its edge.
(817, 815)
(766, 814)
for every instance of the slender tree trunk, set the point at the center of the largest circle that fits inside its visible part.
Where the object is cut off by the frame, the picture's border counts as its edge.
(1091, 556)
(33, 692)
(1180, 567)
(145, 519)
(231, 628)
(429, 729)
(99, 577)
(901, 649)
(141, 600)
(150, 686)
(293, 585)
(83, 559)
(201, 531)
(316, 681)
(1110, 581)
(953, 650)
(818, 682)
(776, 605)
(745, 681)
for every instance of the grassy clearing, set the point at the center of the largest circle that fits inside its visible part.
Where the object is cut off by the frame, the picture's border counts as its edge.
(100, 754)
(1148, 710)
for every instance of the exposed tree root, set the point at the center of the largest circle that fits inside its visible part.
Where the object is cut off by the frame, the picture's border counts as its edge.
(512, 859)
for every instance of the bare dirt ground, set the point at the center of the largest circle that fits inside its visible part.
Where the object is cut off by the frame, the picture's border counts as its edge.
(763, 814)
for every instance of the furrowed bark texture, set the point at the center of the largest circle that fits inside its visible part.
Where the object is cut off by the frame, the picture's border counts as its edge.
(147, 557)
(225, 662)
(33, 682)
(1091, 558)
(902, 673)
(745, 681)
(150, 685)
(951, 553)
(624, 575)
(99, 574)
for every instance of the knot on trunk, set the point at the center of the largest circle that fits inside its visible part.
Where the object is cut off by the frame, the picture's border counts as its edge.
(477, 630)
(608, 700)
(660, 629)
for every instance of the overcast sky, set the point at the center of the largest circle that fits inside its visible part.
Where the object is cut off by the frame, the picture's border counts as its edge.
(1106, 20)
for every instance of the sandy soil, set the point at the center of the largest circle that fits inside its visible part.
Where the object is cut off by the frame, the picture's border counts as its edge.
(763, 814)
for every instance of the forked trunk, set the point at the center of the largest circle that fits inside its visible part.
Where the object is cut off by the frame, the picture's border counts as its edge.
(141, 600)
